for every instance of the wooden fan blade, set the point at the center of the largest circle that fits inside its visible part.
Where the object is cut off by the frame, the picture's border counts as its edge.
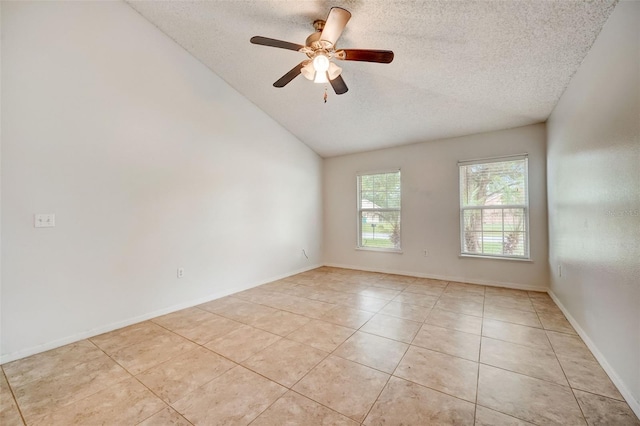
(381, 56)
(285, 79)
(338, 85)
(272, 42)
(333, 27)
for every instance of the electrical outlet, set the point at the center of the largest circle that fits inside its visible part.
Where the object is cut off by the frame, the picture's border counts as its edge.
(180, 272)
(44, 220)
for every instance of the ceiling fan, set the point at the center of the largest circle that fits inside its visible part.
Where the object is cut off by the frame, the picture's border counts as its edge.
(320, 48)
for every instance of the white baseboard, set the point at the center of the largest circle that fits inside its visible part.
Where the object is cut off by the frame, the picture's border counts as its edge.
(515, 286)
(628, 396)
(119, 324)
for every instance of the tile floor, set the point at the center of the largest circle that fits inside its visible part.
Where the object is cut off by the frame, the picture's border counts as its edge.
(327, 347)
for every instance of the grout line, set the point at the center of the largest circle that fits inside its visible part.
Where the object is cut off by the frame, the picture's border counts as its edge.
(13, 395)
(335, 305)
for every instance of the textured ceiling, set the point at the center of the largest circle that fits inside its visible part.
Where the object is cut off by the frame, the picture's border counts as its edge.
(460, 67)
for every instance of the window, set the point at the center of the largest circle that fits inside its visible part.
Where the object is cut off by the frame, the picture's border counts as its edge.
(494, 207)
(379, 210)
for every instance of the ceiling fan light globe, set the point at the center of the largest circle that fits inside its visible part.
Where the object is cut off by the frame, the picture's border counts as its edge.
(308, 71)
(321, 63)
(334, 71)
(321, 77)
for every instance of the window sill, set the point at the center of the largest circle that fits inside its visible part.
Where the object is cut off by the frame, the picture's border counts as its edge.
(380, 250)
(474, 256)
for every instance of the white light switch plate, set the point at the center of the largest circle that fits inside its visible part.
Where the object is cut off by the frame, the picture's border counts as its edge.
(44, 220)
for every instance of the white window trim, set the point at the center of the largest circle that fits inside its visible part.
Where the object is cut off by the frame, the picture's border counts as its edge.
(525, 206)
(359, 245)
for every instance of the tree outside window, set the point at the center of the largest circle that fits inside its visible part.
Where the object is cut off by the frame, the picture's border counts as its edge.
(494, 207)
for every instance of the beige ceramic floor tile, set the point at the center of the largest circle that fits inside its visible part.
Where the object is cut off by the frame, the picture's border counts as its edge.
(348, 287)
(519, 303)
(425, 290)
(514, 333)
(242, 343)
(197, 325)
(380, 293)
(452, 342)
(546, 307)
(310, 308)
(404, 279)
(462, 296)
(235, 398)
(321, 335)
(358, 301)
(569, 345)
(347, 317)
(470, 288)
(526, 398)
(166, 417)
(123, 337)
(555, 322)
(46, 363)
(67, 385)
(406, 311)
(455, 321)
(345, 386)
(503, 291)
(423, 300)
(392, 328)
(280, 285)
(601, 411)
(406, 403)
(175, 378)
(588, 376)
(143, 355)
(293, 409)
(285, 361)
(127, 402)
(373, 351)
(9, 414)
(487, 417)
(539, 296)
(280, 322)
(445, 373)
(388, 284)
(430, 282)
(515, 316)
(327, 296)
(540, 363)
(239, 310)
(460, 305)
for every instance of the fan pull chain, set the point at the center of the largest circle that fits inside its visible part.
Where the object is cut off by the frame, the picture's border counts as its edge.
(325, 94)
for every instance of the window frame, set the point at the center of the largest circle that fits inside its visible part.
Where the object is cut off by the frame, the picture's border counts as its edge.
(359, 210)
(524, 207)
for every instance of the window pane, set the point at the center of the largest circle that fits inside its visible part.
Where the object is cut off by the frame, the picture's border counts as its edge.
(366, 183)
(490, 229)
(514, 243)
(490, 184)
(472, 232)
(380, 229)
(513, 220)
(380, 196)
(492, 242)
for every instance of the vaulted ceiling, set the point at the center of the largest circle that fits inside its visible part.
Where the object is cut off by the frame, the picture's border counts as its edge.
(460, 67)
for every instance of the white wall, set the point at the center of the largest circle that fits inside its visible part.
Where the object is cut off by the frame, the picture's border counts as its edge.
(594, 199)
(149, 162)
(430, 209)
